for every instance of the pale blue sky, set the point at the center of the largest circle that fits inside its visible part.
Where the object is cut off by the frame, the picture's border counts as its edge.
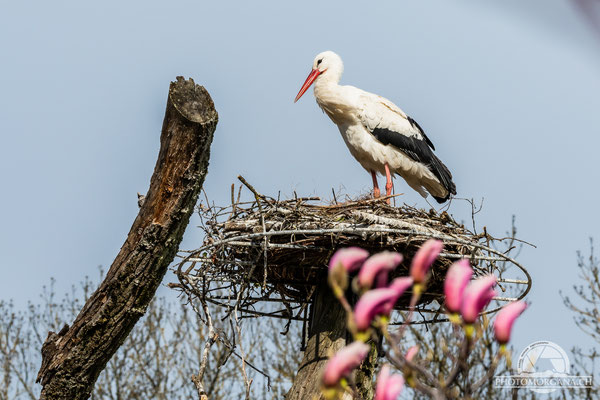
(507, 92)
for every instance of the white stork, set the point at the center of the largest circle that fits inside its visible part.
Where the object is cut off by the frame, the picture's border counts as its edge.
(381, 137)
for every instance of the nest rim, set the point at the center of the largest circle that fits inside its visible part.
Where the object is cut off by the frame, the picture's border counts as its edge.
(260, 241)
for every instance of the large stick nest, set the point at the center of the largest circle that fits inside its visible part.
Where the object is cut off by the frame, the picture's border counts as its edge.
(270, 250)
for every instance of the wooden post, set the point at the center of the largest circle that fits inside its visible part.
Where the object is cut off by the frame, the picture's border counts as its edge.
(73, 358)
(327, 335)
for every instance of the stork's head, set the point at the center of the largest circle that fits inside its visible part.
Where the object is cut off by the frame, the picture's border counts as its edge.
(326, 66)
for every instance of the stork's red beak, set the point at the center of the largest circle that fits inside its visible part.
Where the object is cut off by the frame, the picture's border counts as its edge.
(309, 81)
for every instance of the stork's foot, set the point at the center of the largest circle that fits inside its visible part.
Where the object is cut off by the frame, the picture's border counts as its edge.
(376, 193)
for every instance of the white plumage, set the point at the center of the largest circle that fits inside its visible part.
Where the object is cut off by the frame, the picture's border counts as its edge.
(381, 137)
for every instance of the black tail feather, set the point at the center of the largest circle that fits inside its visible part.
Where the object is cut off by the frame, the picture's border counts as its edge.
(437, 167)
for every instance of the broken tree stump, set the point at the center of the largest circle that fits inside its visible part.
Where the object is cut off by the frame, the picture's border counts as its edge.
(73, 358)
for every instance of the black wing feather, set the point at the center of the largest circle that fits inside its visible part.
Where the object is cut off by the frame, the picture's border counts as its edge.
(416, 125)
(420, 151)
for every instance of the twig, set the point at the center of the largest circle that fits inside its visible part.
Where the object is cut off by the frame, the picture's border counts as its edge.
(258, 197)
(249, 186)
(490, 372)
(247, 382)
(401, 362)
(212, 337)
(461, 363)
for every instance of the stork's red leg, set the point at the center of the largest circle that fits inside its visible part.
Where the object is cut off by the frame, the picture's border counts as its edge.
(389, 185)
(376, 192)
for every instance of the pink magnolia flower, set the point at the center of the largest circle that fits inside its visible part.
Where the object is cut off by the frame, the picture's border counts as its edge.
(343, 362)
(476, 297)
(371, 304)
(424, 258)
(389, 386)
(399, 286)
(376, 269)
(351, 258)
(411, 353)
(505, 320)
(458, 276)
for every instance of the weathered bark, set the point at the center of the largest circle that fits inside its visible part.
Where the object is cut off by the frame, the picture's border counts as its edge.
(73, 358)
(365, 374)
(326, 336)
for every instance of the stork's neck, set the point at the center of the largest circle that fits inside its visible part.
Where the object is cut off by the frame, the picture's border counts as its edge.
(330, 96)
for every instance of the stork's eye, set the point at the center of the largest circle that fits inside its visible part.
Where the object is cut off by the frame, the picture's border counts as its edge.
(319, 62)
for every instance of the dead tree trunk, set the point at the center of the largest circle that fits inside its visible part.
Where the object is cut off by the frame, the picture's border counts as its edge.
(326, 336)
(73, 358)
